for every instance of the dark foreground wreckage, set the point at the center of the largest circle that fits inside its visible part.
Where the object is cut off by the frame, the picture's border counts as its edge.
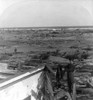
(61, 92)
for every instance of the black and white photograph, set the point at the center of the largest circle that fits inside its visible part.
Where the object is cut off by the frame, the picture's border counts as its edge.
(46, 49)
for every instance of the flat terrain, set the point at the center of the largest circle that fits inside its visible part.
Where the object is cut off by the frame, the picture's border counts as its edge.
(23, 48)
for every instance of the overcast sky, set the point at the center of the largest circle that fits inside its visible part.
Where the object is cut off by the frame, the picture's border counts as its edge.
(29, 13)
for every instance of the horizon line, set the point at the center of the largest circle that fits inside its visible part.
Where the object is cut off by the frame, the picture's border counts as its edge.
(49, 27)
